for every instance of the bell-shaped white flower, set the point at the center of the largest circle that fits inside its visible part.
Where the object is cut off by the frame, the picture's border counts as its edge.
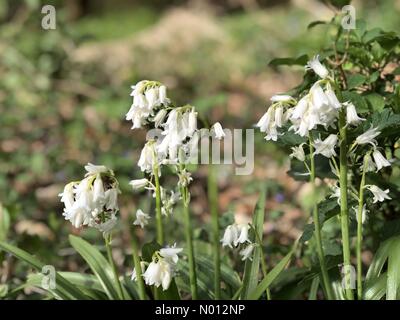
(142, 267)
(363, 213)
(112, 199)
(218, 131)
(192, 123)
(369, 163)
(279, 120)
(380, 160)
(142, 219)
(98, 190)
(301, 108)
(266, 120)
(162, 92)
(152, 275)
(170, 254)
(281, 98)
(326, 147)
(379, 194)
(166, 274)
(146, 159)
(317, 67)
(352, 117)
(159, 118)
(331, 96)
(67, 196)
(230, 236)
(139, 183)
(185, 177)
(247, 252)
(368, 137)
(93, 169)
(243, 234)
(298, 153)
(78, 216)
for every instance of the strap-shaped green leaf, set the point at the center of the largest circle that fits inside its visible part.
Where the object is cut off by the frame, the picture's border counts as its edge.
(64, 288)
(99, 265)
(271, 276)
(252, 267)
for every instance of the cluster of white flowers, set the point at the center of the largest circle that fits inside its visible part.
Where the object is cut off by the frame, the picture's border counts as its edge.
(178, 136)
(147, 96)
(238, 234)
(93, 200)
(178, 124)
(320, 107)
(161, 270)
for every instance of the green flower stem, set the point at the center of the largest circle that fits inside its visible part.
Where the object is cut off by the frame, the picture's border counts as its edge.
(317, 230)
(189, 241)
(213, 202)
(159, 224)
(114, 267)
(344, 212)
(360, 233)
(262, 258)
(138, 268)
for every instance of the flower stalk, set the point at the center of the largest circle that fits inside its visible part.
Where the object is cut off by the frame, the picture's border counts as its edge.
(360, 231)
(189, 239)
(213, 202)
(159, 224)
(107, 241)
(344, 212)
(317, 232)
(138, 268)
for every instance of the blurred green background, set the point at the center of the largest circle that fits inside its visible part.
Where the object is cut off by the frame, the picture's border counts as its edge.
(64, 94)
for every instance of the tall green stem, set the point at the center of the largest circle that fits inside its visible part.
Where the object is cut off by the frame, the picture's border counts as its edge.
(344, 212)
(213, 202)
(114, 267)
(189, 241)
(360, 232)
(317, 232)
(138, 268)
(159, 224)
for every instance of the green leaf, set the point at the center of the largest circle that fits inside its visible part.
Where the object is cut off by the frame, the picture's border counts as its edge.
(314, 289)
(4, 222)
(375, 289)
(271, 276)
(387, 254)
(375, 101)
(308, 232)
(65, 289)
(252, 267)
(393, 271)
(88, 283)
(339, 3)
(301, 60)
(315, 23)
(98, 264)
(371, 35)
(355, 80)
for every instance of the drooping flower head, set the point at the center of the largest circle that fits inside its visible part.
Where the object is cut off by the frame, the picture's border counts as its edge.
(315, 65)
(147, 97)
(93, 200)
(161, 269)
